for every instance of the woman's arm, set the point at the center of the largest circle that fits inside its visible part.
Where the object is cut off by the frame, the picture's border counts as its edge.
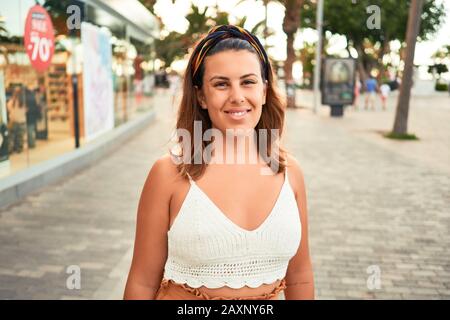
(300, 277)
(150, 247)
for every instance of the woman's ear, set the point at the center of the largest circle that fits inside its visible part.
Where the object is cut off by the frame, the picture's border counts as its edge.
(200, 97)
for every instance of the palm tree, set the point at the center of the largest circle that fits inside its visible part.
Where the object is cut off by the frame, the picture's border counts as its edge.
(200, 22)
(401, 116)
(4, 37)
(175, 45)
(291, 23)
(3, 31)
(256, 30)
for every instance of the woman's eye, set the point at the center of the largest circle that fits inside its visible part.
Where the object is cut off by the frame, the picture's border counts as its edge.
(223, 83)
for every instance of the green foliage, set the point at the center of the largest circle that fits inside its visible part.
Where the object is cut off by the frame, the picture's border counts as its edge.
(57, 8)
(5, 36)
(442, 54)
(439, 68)
(175, 45)
(170, 48)
(3, 31)
(349, 18)
(150, 5)
(441, 86)
(307, 56)
(396, 136)
(199, 22)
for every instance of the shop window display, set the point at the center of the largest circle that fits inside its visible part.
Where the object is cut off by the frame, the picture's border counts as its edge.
(35, 125)
(37, 110)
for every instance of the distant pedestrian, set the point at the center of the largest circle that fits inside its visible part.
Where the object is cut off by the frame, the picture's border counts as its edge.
(371, 92)
(385, 89)
(357, 92)
(33, 114)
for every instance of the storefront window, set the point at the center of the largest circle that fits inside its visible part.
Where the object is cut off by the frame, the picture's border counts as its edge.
(133, 81)
(37, 106)
(120, 79)
(141, 91)
(36, 102)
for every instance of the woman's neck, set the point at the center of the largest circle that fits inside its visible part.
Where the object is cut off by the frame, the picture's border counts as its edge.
(235, 147)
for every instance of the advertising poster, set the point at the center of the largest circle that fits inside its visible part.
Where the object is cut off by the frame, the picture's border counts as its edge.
(39, 39)
(97, 81)
(338, 81)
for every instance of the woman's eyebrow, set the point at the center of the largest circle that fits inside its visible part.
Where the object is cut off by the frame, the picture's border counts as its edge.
(225, 78)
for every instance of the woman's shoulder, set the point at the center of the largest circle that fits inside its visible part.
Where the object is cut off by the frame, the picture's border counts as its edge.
(295, 173)
(164, 168)
(292, 163)
(162, 179)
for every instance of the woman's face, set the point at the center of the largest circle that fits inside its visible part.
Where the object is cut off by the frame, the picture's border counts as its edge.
(233, 90)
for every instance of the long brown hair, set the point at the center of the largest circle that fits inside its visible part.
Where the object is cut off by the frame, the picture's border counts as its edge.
(189, 110)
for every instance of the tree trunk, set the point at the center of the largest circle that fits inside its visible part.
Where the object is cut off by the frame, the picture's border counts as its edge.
(363, 74)
(386, 49)
(288, 71)
(291, 23)
(401, 115)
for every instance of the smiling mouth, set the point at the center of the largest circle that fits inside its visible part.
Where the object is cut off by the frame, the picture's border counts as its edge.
(238, 113)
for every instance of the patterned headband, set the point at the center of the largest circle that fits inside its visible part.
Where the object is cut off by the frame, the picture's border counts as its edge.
(219, 33)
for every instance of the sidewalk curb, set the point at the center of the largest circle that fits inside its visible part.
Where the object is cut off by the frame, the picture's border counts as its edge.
(15, 187)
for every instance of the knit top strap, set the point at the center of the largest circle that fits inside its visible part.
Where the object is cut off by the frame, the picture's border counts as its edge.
(191, 181)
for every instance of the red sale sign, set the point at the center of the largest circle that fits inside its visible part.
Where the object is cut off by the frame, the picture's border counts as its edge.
(39, 38)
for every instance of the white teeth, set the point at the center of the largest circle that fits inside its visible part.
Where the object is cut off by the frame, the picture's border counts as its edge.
(240, 113)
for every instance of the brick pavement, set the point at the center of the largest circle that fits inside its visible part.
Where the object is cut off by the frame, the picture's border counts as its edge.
(375, 201)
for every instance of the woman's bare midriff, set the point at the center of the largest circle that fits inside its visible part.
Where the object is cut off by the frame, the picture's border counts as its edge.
(241, 292)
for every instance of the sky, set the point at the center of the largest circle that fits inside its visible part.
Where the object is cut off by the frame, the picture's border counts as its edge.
(173, 17)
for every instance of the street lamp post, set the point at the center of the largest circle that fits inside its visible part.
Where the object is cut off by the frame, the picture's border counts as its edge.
(319, 22)
(74, 77)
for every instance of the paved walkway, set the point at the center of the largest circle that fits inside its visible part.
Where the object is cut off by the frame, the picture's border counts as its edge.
(377, 202)
(371, 205)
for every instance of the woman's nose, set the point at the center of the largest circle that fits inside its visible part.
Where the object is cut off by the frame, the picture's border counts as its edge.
(236, 95)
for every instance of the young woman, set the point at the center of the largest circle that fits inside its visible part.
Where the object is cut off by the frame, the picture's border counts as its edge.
(218, 229)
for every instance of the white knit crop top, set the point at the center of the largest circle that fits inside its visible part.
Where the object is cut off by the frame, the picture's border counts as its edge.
(205, 248)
